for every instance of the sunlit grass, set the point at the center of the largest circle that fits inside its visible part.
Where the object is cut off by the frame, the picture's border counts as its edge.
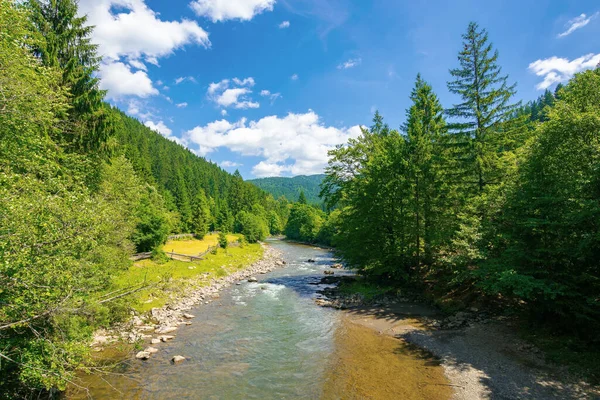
(193, 247)
(175, 276)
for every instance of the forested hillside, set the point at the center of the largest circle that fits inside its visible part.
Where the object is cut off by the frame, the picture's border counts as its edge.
(82, 188)
(291, 188)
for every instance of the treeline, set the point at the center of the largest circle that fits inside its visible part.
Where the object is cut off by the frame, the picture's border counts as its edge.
(485, 200)
(290, 188)
(82, 187)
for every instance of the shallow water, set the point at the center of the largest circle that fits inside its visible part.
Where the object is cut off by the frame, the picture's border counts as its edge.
(265, 340)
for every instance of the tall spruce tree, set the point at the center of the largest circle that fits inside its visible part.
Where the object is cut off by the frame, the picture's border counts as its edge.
(67, 45)
(424, 129)
(480, 119)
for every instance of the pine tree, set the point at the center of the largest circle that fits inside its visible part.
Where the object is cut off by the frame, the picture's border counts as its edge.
(201, 215)
(302, 198)
(424, 128)
(67, 45)
(379, 127)
(485, 107)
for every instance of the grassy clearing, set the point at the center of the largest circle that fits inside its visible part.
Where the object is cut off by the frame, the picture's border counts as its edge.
(173, 276)
(193, 247)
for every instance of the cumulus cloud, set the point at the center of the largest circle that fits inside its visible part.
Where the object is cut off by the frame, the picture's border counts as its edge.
(222, 10)
(295, 144)
(159, 127)
(353, 62)
(233, 93)
(138, 32)
(224, 113)
(294, 77)
(284, 24)
(135, 34)
(577, 23)
(181, 105)
(118, 79)
(557, 69)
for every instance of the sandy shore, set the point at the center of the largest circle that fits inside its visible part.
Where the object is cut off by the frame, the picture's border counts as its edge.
(483, 360)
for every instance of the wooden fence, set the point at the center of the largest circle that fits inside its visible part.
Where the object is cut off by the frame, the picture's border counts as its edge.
(174, 256)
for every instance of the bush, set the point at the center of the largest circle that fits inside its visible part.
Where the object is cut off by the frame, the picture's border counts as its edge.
(223, 240)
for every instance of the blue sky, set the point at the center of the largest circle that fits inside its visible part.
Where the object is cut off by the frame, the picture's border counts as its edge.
(269, 86)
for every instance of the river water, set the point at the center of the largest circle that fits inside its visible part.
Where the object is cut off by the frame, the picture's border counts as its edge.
(265, 340)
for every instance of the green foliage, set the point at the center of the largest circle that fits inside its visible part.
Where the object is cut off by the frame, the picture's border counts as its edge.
(67, 46)
(550, 249)
(304, 223)
(153, 227)
(201, 217)
(78, 197)
(502, 203)
(254, 228)
(223, 243)
(482, 134)
(290, 188)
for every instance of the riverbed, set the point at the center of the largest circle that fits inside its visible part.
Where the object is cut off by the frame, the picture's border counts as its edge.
(269, 340)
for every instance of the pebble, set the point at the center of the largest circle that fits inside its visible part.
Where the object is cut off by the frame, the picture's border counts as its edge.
(142, 355)
(166, 319)
(177, 359)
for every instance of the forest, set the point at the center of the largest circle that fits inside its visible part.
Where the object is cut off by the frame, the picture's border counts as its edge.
(486, 200)
(291, 188)
(82, 188)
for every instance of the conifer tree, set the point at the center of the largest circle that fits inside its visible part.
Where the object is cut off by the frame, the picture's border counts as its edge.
(424, 128)
(67, 45)
(201, 215)
(302, 198)
(485, 108)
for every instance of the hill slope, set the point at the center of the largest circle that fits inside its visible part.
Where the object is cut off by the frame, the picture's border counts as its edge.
(290, 188)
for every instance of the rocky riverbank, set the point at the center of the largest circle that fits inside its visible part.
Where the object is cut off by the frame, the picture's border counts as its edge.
(482, 356)
(160, 324)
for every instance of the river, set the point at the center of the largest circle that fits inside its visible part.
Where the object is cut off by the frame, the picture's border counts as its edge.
(265, 340)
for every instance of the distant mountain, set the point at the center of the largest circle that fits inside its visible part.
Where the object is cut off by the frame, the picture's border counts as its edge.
(291, 187)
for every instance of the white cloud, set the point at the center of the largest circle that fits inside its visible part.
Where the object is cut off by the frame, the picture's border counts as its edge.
(120, 81)
(181, 105)
(138, 32)
(244, 82)
(222, 10)
(185, 78)
(577, 23)
(556, 69)
(224, 112)
(229, 164)
(296, 143)
(138, 64)
(223, 94)
(353, 62)
(135, 33)
(294, 77)
(271, 96)
(265, 169)
(159, 127)
(284, 24)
